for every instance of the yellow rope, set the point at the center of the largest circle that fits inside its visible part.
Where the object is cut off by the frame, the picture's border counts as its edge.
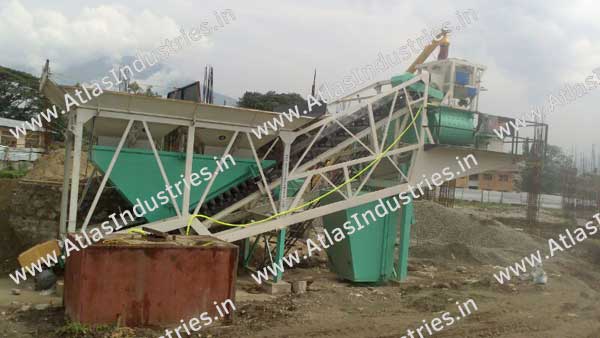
(137, 231)
(353, 178)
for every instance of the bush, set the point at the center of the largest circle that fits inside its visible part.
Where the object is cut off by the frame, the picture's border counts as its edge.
(11, 173)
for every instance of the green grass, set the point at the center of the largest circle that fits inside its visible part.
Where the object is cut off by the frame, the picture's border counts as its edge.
(78, 330)
(11, 173)
(74, 329)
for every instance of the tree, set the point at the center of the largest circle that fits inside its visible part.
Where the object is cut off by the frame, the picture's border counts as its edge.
(555, 161)
(135, 88)
(150, 92)
(270, 101)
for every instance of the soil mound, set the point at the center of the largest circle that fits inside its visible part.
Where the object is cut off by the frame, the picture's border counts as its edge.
(460, 235)
(50, 167)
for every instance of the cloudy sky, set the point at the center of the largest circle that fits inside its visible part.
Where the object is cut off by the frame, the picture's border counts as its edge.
(531, 48)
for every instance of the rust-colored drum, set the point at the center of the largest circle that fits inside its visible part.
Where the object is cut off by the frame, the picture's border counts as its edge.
(128, 279)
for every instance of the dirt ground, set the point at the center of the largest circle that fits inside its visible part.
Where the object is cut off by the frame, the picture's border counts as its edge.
(452, 263)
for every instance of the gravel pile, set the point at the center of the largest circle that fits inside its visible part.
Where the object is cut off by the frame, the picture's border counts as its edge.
(460, 235)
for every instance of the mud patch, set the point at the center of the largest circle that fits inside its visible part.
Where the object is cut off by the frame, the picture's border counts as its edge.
(433, 302)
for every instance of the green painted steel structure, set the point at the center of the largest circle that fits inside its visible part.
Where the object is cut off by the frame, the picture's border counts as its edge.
(367, 254)
(418, 87)
(137, 176)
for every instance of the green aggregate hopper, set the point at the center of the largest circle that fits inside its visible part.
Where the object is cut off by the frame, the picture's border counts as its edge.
(434, 93)
(136, 175)
(368, 254)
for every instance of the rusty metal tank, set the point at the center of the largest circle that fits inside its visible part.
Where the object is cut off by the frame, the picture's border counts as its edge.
(137, 282)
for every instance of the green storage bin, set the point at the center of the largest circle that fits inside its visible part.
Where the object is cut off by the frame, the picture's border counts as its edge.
(367, 255)
(136, 175)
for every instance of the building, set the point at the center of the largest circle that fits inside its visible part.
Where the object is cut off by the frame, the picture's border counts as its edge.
(19, 152)
(495, 181)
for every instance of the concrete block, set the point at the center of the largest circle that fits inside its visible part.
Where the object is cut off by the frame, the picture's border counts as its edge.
(299, 286)
(279, 288)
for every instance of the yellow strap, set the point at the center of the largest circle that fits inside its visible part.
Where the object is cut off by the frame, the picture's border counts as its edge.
(137, 231)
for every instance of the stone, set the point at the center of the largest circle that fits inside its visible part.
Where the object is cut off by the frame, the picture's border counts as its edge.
(48, 292)
(15, 292)
(441, 285)
(430, 268)
(41, 307)
(299, 287)
(278, 288)
(314, 288)
(423, 274)
(461, 269)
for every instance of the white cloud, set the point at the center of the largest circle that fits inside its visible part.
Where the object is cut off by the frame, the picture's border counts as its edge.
(104, 31)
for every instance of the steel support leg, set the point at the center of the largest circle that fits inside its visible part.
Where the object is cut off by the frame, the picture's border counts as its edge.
(75, 170)
(64, 198)
(245, 252)
(280, 250)
(406, 220)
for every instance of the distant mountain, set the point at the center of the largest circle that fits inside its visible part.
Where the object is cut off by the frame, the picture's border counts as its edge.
(96, 69)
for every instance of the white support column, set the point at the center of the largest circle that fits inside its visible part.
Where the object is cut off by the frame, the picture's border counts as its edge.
(76, 168)
(64, 198)
(287, 139)
(189, 160)
(424, 120)
(452, 82)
